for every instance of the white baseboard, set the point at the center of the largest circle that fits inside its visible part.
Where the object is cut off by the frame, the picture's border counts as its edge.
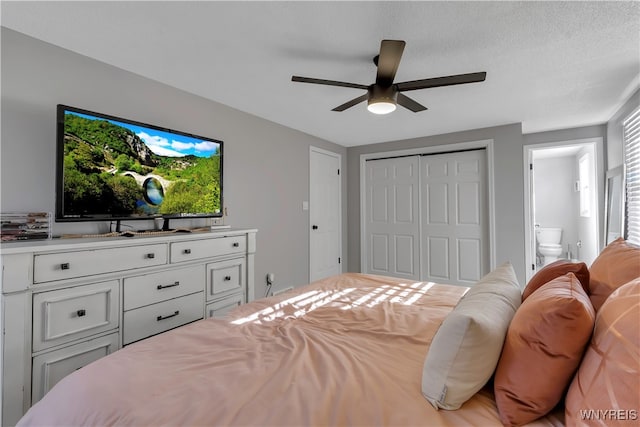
(279, 291)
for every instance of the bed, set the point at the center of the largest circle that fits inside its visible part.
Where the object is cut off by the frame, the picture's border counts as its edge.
(348, 350)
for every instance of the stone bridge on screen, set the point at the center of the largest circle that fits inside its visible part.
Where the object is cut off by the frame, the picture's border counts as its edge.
(140, 179)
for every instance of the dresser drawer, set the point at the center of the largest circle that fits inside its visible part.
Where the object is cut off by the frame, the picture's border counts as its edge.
(51, 367)
(207, 248)
(224, 306)
(153, 319)
(67, 314)
(226, 277)
(155, 287)
(67, 265)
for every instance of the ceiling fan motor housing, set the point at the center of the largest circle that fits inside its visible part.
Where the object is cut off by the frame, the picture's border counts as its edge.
(379, 93)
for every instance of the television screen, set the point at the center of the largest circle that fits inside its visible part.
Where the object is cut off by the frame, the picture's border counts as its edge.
(113, 168)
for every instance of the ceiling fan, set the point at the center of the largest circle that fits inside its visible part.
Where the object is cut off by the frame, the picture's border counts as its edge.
(383, 95)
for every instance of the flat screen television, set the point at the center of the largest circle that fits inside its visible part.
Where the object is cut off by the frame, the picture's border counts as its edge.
(110, 168)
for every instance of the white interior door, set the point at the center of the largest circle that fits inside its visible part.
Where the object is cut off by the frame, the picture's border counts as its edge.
(393, 217)
(325, 235)
(454, 217)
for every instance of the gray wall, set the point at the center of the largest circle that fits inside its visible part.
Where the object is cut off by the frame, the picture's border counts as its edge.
(586, 132)
(556, 202)
(266, 165)
(509, 182)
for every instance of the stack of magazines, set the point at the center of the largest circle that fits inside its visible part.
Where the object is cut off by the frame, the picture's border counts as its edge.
(25, 226)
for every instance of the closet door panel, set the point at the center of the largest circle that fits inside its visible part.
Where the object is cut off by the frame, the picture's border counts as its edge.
(454, 217)
(393, 217)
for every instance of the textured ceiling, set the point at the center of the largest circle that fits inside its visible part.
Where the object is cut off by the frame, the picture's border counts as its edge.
(550, 65)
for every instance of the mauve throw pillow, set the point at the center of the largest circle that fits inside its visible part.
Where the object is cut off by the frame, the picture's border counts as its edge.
(556, 269)
(606, 388)
(544, 346)
(616, 265)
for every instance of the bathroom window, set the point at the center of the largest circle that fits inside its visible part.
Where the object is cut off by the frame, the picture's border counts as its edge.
(584, 167)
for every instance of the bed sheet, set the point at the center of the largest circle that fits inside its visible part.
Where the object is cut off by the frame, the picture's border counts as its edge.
(346, 350)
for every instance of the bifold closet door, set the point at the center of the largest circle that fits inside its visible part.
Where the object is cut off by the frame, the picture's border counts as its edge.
(454, 239)
(392, 217)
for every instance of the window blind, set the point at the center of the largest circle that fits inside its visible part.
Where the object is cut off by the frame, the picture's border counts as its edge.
(631, 134)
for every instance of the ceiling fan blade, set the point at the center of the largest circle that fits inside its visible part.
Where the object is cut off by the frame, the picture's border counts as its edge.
(351, 103)
(458, 79)
(410, 104)
(388, 61)
(327, 82)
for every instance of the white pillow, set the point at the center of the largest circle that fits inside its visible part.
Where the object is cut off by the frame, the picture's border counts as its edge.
(465, 351)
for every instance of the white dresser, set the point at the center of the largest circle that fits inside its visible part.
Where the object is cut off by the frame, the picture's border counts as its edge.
(67, 302)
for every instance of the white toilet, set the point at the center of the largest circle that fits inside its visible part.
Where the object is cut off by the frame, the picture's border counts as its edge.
(549, 243)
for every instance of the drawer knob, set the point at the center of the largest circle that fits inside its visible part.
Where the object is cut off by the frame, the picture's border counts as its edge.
(176, 283)
(151, 255)
(236, 244)
(64, 266)
(175, 313)
(227, 278)
(81, 312)
(187, 251)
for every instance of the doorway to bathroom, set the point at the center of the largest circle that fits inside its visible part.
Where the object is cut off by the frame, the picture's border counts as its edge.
(563, 186)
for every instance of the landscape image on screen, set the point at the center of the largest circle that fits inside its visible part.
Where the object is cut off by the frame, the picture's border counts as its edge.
(119, 169)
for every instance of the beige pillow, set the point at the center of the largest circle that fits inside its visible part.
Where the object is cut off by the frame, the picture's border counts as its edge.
(465, 351)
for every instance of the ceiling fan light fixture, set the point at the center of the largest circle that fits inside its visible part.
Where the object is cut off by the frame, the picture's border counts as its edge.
(382, 100)
(381, 107)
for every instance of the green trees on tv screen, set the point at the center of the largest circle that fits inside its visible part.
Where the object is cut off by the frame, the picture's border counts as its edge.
(104, 174)
(194, 189)
(94, 191)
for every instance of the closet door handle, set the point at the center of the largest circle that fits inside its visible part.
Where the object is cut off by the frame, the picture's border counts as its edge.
(175, 313)
(314, 227)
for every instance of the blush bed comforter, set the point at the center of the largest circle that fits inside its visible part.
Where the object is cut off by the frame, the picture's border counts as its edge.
(347, 350)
